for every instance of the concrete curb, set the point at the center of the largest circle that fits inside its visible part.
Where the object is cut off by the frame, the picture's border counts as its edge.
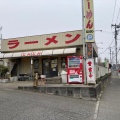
(4, 80)
(87, 92)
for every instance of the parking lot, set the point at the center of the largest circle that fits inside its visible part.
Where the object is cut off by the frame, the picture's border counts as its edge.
(15, 84)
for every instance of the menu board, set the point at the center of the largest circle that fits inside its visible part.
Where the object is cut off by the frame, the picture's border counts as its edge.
(74, 62)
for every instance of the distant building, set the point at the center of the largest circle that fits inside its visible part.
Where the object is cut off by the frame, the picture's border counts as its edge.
(1, 60)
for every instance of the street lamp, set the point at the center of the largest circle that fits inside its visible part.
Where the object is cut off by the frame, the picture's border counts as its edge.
(100, 43)
(100, 48)
(98, 30)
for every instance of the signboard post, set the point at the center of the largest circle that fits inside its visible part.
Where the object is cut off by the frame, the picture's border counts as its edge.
(88, 36)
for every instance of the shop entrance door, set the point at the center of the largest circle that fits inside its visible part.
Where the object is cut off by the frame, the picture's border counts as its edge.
(53, 67)
(46, 67)
(50, 67)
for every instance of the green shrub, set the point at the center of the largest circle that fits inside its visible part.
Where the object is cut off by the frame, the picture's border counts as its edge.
(3, 71)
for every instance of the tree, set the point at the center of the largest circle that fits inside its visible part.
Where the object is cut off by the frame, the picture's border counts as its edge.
(3, 71)
(106, 61)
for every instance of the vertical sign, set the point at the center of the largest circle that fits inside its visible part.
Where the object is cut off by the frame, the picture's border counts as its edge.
(89, 50)
(90, 71)
(89, 21)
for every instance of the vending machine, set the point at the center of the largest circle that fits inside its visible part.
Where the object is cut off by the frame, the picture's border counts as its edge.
(75, 69)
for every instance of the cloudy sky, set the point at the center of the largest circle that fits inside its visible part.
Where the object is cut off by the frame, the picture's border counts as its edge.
(20, 18)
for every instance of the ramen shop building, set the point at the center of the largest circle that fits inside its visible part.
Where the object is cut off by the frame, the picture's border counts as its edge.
(43, 53)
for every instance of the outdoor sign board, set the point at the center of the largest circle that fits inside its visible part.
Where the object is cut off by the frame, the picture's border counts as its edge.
(90, 67)
(89, 50)
(41, 42)
(89, 21)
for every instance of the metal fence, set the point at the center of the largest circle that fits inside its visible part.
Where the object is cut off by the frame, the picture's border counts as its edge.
(101, 71)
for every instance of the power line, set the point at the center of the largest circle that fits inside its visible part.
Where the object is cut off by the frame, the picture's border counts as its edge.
(117, 53)
(114, 10)
(110, 43)
(118, 16)
(113, 57)
(107, 48)
(106, 32)
(110, 54)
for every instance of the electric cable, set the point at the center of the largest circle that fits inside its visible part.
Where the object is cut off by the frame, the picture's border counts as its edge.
(106, 32)
(114, 10)
(117, 53)
(113, 58)
(110, 43)
(106, 48)
(118, 16)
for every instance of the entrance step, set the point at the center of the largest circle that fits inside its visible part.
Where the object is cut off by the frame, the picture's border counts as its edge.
(53, 80)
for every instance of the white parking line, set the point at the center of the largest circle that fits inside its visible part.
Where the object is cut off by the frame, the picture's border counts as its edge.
(96, 110)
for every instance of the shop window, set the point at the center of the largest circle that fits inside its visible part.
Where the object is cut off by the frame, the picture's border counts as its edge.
(36, 63)
(63, 62)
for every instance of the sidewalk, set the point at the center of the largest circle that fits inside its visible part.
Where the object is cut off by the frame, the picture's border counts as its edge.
(109, 104)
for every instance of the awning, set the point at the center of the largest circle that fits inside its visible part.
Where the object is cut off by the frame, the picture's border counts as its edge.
(58, 51)
(38, 53)
(18, 54)
(47, 52)
(69, 50)
(8, 55)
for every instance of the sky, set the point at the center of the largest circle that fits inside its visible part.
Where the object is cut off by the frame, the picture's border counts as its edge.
(19, 18)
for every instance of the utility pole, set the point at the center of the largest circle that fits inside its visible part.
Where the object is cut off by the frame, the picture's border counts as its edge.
(116, 33)
(110, 54)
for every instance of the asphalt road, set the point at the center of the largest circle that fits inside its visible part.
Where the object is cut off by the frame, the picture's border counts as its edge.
(24, 105)
(109, 105)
